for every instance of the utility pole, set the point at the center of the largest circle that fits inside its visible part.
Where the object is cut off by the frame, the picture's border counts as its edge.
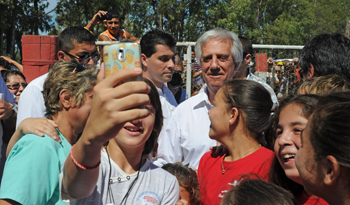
(347, 30)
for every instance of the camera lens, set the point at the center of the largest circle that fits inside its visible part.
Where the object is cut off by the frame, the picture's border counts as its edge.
(107, 16)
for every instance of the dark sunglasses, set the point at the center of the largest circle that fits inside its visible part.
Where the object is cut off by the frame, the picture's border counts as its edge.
(79, 68)
(17, 86)
(84, 59)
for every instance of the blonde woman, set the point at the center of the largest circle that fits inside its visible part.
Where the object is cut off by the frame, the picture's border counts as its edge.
(33, 164)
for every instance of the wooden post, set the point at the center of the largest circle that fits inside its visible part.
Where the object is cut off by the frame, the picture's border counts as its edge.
(347, 30)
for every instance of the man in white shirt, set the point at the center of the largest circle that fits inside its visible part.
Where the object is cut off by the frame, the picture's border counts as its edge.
(73, 43)
(244, 71)
(185, 138)
(157, 56)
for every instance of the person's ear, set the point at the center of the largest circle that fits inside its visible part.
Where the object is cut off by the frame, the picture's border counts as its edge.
(65, 99)
(144, 62)
(247, 59)
(331, 171)
(234, 114)
(61, 55)
(310, 71)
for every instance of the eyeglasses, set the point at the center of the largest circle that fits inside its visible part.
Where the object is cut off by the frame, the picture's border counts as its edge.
(17, 86)
(84, 58)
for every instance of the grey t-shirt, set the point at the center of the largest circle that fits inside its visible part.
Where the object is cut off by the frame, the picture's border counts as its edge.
(153, 186)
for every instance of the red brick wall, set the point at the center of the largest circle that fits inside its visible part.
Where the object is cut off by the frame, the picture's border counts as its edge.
(39, 53)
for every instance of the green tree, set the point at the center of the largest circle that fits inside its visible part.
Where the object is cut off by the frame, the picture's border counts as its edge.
(262, 21)
(80, 12)
(21, 17)
(293, 25)
(268, 22)
(331, 16)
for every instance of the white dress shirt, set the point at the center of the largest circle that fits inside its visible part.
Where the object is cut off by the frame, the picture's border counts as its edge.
(168, 95)
(168, 102)
(31, 103)
(186, 136)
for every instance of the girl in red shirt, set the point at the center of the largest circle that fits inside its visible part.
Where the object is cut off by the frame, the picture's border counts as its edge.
(241, 113)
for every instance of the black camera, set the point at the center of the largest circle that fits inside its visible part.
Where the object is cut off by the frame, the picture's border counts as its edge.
(176, 81)
(107, 16)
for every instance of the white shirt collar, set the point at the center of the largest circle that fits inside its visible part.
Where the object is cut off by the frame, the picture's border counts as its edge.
(160, 90)
(167, 94)
(202, 97)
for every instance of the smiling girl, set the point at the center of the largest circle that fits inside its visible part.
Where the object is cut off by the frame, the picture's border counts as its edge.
(123, 175)
(291, 117)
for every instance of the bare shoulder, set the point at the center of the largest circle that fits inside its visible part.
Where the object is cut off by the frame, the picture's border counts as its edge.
(103, 38)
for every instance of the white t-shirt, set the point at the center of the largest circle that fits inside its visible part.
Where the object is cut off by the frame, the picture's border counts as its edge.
(31, 103)
(186, 137)
(153, 186)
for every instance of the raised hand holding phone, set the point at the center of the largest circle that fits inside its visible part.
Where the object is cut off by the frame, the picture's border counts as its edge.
(114, 105)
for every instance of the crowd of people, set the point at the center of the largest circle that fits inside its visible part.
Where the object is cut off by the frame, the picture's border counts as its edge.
(74, 136)
(283, 76)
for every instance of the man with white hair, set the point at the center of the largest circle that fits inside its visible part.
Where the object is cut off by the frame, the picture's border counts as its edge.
(185, 139)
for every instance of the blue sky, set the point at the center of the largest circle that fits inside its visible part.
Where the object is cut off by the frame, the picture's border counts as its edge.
(52, 5)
